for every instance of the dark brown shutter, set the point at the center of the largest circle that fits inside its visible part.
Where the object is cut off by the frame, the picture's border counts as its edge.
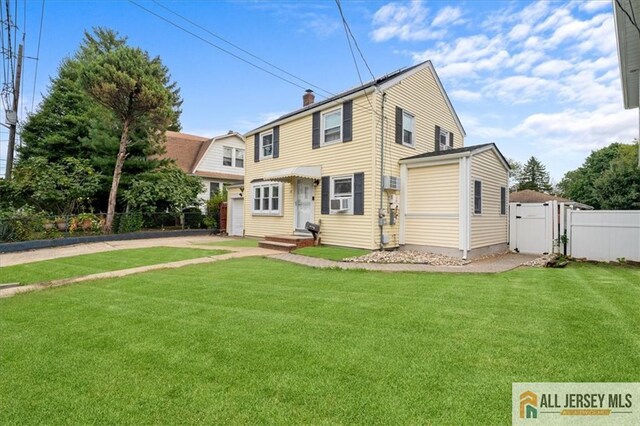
(326, 192)
(451, 139)
(256, 147)
(358, 193)
(276, 142)
(437, 145)
(399, 125)
(315, 133)
(347, 121)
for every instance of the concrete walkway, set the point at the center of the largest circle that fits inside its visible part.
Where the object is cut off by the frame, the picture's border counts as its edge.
(492, 264)
(18, 258)
(246, 252)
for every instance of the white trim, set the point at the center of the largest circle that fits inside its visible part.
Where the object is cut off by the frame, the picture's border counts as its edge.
(412, 130)
(332, 196)
(322, 128)
(434, 161)
(427, 64)
(260, 146)
(295, 205)
(269, 212)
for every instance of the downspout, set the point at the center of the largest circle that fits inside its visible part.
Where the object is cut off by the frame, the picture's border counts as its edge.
(380, 218)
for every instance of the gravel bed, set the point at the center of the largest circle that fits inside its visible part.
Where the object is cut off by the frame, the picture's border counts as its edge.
(408, 256)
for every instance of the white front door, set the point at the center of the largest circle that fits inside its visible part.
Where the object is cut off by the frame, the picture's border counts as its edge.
(304, 203)
(237, 216)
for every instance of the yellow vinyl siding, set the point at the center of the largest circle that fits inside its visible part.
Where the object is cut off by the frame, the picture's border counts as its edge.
(336, 159)
(419, 95)
(490, 227)
(432, 206)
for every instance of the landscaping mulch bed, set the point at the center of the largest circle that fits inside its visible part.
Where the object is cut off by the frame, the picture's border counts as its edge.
(408, 256)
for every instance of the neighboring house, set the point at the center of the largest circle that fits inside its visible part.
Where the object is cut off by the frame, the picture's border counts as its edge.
(218, 161)
(406, 180)
(528, 196)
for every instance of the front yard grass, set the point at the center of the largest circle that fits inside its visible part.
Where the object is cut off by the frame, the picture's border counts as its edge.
(331, 252)
(86, 264)
(256, 340)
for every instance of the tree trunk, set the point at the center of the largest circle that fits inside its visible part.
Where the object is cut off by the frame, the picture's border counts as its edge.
(117, 172)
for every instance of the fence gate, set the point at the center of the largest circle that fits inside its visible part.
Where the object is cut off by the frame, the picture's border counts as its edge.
(531, 227)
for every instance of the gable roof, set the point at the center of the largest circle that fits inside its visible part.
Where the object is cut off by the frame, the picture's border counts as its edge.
(459, 151)
(384, 81)
(185, 149)
(628, 43)
(531, 196)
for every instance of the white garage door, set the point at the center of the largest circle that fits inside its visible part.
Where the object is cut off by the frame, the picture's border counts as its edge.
(531, 228)
(237, 217)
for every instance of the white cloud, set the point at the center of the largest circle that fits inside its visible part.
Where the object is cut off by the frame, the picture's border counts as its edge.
(594, 5)
(448, 15)
(465, 95)
(403, 21)
(553, 67)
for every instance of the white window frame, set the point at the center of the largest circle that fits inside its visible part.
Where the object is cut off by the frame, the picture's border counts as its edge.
(406, 114)
(322, 126)
(220, 187)
(262, 187)
(474, 198)
(235, 158)
(262, 136)
(447, 135)
(333, 196)
(230, 157)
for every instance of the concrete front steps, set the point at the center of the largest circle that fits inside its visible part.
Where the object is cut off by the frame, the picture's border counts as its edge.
(286, 243)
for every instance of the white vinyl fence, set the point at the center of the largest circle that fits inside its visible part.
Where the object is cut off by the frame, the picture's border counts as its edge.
(605, 235)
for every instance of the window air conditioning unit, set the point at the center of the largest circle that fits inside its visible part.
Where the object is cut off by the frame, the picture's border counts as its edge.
(391, 183)
(444, 147)
(340, 204)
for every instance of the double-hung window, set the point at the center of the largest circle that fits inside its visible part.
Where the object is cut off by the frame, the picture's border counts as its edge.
(267, 198)
(408, 129)
(239, 158)
(445, 140)
(214, 188)
(266, 145)
(477, 197)
(332, 126)
(227, 156)
(341, 194)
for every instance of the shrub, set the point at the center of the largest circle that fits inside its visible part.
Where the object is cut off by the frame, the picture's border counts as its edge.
(193, 218)
(128, 222)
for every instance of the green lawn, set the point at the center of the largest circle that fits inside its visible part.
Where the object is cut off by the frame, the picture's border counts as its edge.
(256, 340)
(240, 242)
(331, 252)
(75, 266)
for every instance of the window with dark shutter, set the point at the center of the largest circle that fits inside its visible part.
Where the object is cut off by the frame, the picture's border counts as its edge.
(347, 121)
(315, 131)
(276, 142)
(399, 125)
(437, 139)
(256, 147)
(503, 200)
(477, 197)
(326, 193)
(451, 139)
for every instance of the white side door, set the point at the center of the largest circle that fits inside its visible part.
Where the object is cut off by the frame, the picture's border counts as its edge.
(237, 216)
(533, 232)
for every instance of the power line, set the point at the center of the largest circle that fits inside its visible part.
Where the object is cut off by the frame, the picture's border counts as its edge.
(35, 75)
(355, 42)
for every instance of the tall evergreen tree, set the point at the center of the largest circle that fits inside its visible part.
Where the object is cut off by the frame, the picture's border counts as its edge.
(70, 123)
(534, 176)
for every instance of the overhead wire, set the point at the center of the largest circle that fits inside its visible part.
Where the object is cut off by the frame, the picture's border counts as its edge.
(35, 73)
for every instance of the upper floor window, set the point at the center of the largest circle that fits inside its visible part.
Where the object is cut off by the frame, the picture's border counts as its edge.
(408, 128)
(266, 144)
(332, 126)
(445, 140)
(239, 158)
(227, 156)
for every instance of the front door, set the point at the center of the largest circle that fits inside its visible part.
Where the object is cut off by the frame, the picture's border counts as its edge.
(304, 203)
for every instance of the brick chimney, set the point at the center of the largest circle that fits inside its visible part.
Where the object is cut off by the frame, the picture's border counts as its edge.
(308, 98)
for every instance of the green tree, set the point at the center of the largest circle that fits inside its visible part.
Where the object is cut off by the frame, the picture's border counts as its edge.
(514, 173)
(70, 123)
(60, 188)
(534, 176)
(138, 91)
(165, 189)
(609, 178)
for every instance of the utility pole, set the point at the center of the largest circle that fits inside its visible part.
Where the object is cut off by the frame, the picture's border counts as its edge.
(12, 117)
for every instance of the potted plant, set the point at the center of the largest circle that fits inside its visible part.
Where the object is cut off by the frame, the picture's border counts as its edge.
(61, 223)
(48, 225)
(87, 221)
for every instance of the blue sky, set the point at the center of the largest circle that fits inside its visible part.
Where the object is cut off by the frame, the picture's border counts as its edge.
(537, 78)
